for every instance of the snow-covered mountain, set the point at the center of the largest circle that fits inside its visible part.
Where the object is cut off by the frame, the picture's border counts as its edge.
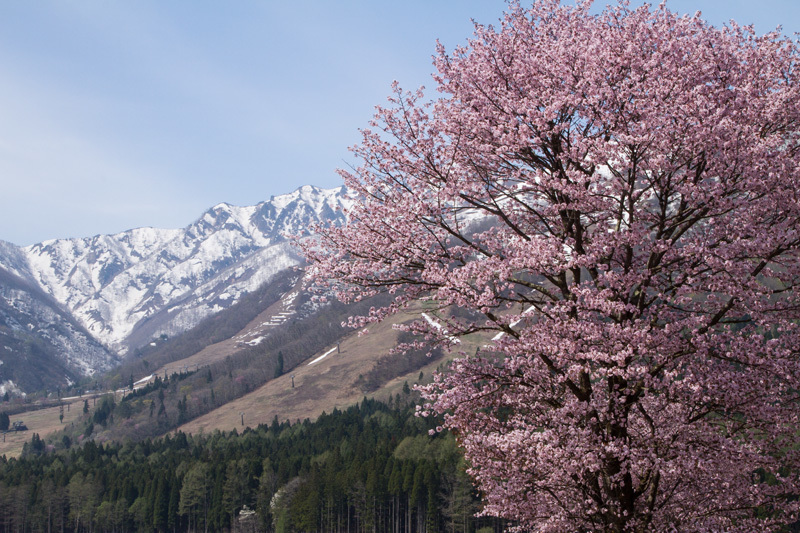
(41, 345)
(127, 288)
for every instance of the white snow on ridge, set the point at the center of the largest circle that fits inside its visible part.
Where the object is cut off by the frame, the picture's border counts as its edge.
(312, 196)
(111, 283)
(323, 356)
(256, 341)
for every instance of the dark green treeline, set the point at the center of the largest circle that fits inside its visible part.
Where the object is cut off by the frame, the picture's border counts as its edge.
(370, 468)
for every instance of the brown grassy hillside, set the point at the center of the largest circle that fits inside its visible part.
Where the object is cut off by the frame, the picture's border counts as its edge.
(45, 422)
(322, 386)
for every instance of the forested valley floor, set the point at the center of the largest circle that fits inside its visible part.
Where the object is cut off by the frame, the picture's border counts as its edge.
(371, 467)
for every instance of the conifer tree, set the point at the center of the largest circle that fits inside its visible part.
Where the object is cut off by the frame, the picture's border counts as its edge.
(160, 503)
(279, 365)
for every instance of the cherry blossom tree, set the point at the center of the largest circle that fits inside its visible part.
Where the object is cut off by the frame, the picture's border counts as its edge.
(616, 199)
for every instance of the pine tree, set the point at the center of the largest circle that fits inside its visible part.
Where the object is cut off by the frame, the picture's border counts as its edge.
(160, 503)
(174, 501)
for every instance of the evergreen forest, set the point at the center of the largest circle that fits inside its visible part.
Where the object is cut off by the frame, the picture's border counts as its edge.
(372, 467)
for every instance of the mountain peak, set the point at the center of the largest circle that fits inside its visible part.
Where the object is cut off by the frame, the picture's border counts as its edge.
(128, 287)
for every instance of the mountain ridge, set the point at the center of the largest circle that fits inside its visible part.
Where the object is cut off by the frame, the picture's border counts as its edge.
(126, 288)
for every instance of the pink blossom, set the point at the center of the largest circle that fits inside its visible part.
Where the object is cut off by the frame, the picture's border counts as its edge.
(616, 197)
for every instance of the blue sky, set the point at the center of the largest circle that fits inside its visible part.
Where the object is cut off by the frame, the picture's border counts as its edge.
(117, 115)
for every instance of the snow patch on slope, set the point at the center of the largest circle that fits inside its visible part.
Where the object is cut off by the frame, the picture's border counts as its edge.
(323, 356)
(8, 386)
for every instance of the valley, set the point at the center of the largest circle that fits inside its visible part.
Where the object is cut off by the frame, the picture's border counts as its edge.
(249, 355)
(329, 378)
(226, 362)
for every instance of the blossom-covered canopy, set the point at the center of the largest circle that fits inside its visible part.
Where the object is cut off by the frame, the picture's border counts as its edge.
(616, 199)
